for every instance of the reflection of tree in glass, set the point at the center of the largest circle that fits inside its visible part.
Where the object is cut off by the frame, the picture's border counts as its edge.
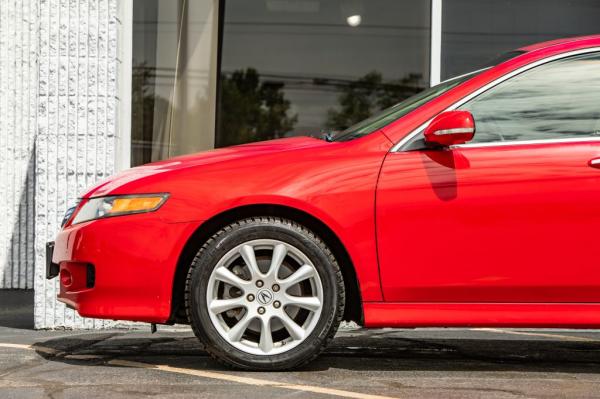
(144, 103)
(252, 110)
(369, 94)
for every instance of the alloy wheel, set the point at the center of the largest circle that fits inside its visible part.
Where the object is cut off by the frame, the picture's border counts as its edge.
(264, 297)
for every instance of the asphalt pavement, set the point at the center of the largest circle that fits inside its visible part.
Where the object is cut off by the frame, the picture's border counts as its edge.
(362, 364)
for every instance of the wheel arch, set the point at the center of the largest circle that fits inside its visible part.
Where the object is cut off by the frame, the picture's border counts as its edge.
(353, 307)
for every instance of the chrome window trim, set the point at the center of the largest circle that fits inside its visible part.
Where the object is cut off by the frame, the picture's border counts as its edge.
(457, 130)
(398, 147)
(528, 142)
(477, 71)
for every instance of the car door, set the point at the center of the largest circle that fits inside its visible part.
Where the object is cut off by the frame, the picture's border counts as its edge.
(512, 216)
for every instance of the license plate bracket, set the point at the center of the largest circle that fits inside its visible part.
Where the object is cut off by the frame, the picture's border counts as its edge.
(52, 269)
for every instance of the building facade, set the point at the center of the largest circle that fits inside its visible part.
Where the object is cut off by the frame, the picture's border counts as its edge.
(90, 87)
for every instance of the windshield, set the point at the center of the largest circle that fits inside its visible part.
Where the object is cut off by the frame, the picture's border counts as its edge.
(394, 112)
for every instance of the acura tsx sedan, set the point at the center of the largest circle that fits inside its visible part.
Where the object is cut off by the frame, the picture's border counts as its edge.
(473, 203)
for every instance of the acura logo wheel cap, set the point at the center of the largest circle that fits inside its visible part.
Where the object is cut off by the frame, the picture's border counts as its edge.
(264, 297)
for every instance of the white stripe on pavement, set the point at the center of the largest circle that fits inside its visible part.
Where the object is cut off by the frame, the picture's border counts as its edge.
(42, 349)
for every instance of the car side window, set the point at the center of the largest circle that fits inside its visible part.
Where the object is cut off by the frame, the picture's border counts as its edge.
(559, 99)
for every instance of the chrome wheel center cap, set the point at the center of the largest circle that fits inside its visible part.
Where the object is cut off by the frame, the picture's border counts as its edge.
(264, 297)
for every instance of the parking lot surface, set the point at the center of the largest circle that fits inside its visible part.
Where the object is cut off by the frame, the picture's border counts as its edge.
(363, 364)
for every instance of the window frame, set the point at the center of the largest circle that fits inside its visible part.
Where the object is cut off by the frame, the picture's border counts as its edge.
(404, 143)
(123, 152)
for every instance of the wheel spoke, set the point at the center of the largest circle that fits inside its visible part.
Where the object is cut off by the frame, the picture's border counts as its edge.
(225, 275)
(247, 252)
(311, 303)
(237, 331)
(299, 275)
(296, 332)
(279, 254)
(222, 305)
(266, 338)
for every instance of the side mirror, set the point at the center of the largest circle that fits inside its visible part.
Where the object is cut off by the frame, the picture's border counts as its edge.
(450, 128)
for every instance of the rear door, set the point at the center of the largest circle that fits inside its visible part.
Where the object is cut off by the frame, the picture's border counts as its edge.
(512, 216)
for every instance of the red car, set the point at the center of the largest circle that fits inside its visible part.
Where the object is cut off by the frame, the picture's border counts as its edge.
(473, 203)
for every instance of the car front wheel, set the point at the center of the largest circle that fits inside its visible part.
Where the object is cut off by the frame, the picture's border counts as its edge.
(264, 293)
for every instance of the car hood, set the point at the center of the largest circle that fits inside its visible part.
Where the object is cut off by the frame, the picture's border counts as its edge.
(229, 154)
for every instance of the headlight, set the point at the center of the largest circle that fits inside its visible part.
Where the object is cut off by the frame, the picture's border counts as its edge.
(68, 215)
(103, 207)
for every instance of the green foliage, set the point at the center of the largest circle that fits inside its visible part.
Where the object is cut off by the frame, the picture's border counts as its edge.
(145, 103)
(368, 95)
(252, 110)
(142, 99)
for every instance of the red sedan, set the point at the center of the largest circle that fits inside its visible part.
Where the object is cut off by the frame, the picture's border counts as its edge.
(473, 203)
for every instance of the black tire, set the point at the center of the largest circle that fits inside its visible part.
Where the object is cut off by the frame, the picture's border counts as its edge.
(255, 228)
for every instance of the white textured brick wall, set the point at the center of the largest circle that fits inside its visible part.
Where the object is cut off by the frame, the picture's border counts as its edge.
(76, 125)
(18, 116)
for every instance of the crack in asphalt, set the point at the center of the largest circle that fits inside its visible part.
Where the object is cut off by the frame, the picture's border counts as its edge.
(516, 393)
(23, 366)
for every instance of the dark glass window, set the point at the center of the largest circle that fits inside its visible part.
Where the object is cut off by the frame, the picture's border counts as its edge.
(297, 67)
(474, 31)
(560, 99)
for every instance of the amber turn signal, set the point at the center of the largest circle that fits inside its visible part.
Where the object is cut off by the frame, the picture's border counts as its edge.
(134, 204)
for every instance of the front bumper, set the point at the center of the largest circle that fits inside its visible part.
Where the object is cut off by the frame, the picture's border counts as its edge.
(119, 268)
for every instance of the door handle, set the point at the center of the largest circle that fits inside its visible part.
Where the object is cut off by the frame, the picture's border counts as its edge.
(594, 163)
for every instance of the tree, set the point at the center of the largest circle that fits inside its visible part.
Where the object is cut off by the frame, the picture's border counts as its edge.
(364, 97)
(145, 103)
(251, 110)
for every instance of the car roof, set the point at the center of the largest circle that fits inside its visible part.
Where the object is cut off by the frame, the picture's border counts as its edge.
(572, 40)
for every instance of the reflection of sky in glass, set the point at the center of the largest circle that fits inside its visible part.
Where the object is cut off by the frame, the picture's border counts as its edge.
(556, 100)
